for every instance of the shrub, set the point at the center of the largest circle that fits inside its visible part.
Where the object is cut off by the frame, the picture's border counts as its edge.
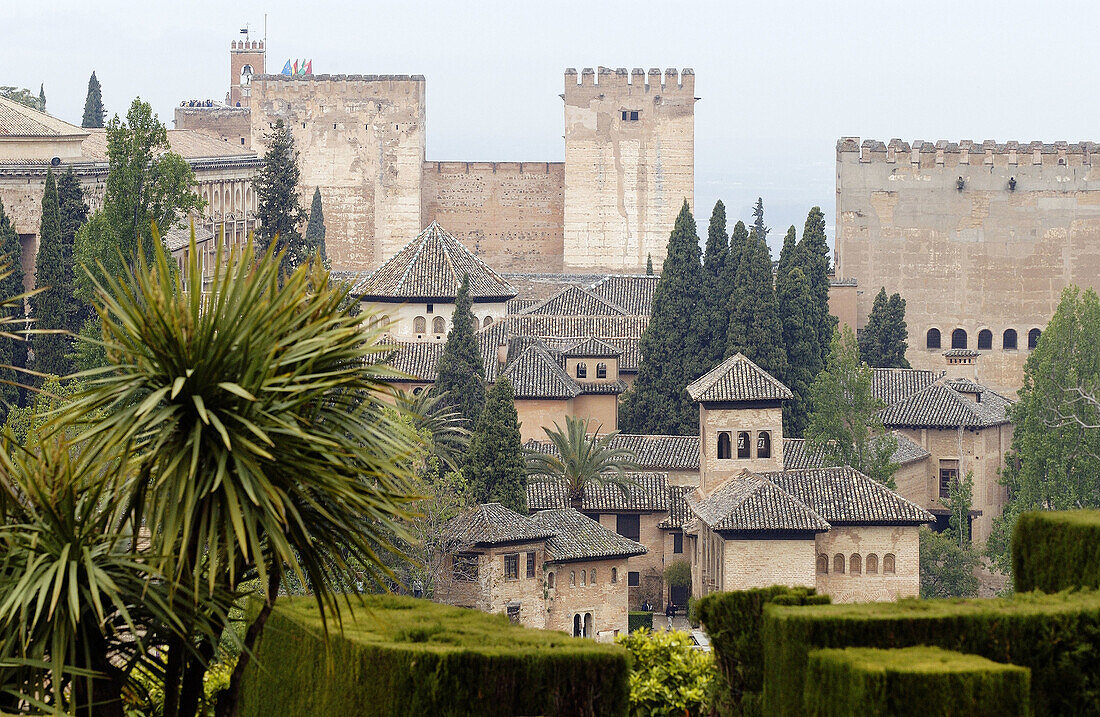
(911, 682)
(399, 655)
(1053, 635)
(637, 620)
(1056, 550)
(668, 676)
(733, 621)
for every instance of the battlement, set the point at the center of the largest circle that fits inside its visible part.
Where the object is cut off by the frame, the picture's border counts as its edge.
(605, 79)
(965, 152)
(459, 167)
(246, 45)
(338, 78)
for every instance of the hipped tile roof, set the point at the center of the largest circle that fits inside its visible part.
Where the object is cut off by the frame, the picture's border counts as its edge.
(653, 453)
(535, 374)
(417, 359)
(17, 120)
(737, 379)
(798, 453)
(647, 493)
(492, 524)
(891, 385)
(942, 406)
(844, 496)
(432, 267)
(575, 301)
(678, 511)
(624, 333)
(578, 537)
(748, 502)
(632, 292)
(591, 347)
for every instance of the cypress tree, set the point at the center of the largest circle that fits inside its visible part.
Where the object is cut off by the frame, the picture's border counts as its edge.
(74, 212)
(897, 334)
(672, 346)
(873, 334)
(649, 264)
(796, 312)
(48, 307)
(461, 372)
(812, 256)
(787, 256)
(42, 97)
(883, 341)
(12, 352)
(315, 228)
(496, 471)
(758, 221)
(715, 292)
(278, 208)
(94, 114)
(754, 326)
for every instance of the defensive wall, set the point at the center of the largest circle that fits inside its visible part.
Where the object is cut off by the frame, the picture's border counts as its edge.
(230, 124)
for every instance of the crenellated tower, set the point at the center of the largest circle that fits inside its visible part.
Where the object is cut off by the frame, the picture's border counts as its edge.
(629, 164)
(246, 59)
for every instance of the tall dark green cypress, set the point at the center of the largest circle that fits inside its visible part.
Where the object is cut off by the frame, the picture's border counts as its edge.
(754, 326)
(94, 114)
(715, 291)
(883, 341)
(787, 255)
(461, 371)
(796, 309)
(74, 212)
(51, 350)
(758, 220)
(12, 352)
(42, 97)
(496, 471)
(897, 333)
(278, 208)
(315, 228)
(649, 264)
(672, 346)
(813, 258)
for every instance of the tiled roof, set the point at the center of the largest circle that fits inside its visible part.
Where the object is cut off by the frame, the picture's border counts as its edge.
(960, 353)
(417, 359)
(431, 267)
(535, 374)
(517, 305)
(844, 496)
(543, 285)
(634, 292)
(578, 537)
(575, 301)
(647, 493)
(941, 406)
(678, 511)
(652, 453)
(187, 143)
(624, 333)
(180, 236)
(491, 524)
(737, 379)
(798, 454)
(17, 120)
(603, 388)
(908, 451)
(748, 502)
(890, 385)
(591, 347)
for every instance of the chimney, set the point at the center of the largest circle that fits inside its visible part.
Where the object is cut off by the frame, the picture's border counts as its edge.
(962, 363)
(502, 353)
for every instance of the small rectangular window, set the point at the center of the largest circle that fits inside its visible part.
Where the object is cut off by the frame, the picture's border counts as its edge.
(949, 475)
(530, 565)
(513, 612)
(626, 115)
(677, 542)
(633, 579)
(628, 526)
(431, 308)
(511, 567)
(634, 115)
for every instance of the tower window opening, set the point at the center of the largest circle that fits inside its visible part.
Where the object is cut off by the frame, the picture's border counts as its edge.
(724, 445)
(743, 450)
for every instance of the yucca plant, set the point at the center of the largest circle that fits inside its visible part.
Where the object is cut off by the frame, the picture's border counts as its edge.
(580, 459)
(252, 416)
(432, 415)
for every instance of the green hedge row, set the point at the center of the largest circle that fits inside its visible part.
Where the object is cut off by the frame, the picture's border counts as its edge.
(1056, 550)
(1056, 636)
(911, 682)
(637, 620)
(401, 656)
(733, 621)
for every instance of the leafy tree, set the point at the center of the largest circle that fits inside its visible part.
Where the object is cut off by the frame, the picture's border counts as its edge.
(678, 574)
(94, 114)
(812, 255)
(716, 293)
(845, 424)
(496, 470)
(1054, 463)
(948, 560)
(48, 307)
(460, 374)
(796, 311)
(13, 350)
(754, 325)
(669, 677)
(74, 212)
(674, 344)
(279, 210)
(315, 228)
(580, 459)
(21, 95)
(884, 339)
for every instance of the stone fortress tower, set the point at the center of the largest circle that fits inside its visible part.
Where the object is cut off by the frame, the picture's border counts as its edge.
(246, 60)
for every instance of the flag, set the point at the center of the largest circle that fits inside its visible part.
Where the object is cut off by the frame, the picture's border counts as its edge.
(309, 67)
(286, 68)
(295, 70)
(302, 68)
(244, 30)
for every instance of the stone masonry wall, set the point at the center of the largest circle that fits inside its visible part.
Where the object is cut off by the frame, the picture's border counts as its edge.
(508, 213)
(361, 140)
(760, 563)
(231, 124)
(714, 418)
(900, 541)
(994, 254)
(604, 599)
(650, 566)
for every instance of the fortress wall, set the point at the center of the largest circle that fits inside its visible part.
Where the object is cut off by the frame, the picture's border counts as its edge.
(231, 124)
(361, 141)
(991, 255)
(508, 213)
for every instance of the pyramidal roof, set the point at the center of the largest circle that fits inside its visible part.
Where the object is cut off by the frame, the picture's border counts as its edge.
(490, 524)
(748, 502)
(737, 379)
(575, 301)
(16, 120)
(431, 267)
(591, 347)
(535, 374)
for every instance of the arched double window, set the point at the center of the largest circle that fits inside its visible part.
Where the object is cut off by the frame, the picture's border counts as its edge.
(933, 339)
(888, 564)
(724, 448)
(838, 564)
(592, 577)
(1033, 339)
(855, 565)
(985, 340)
(577, 625)
(823, 564)
(420, 325)
(743, 448)
(439, 325)
(588, 631)
(763, 445)
(872, 564)
(582, 370)
(1008, 341)
(601, 370)
(958, 339)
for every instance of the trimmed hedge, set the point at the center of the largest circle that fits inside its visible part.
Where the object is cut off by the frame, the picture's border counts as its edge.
(1056, 636)
(638, 620)
(733, 622)
(911, 682)
(1056, 550)
(402, 656)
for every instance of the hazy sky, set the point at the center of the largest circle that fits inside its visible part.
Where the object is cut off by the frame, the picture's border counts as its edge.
(779, 81)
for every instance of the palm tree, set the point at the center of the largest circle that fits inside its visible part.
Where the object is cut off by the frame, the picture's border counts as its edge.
(581, 460)
(437, 418)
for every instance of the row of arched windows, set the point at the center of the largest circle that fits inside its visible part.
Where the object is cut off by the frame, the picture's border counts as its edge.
(582, 369)
(744, 445)
(856, 564)
(439, 324)
(959, 339)
(587, 578)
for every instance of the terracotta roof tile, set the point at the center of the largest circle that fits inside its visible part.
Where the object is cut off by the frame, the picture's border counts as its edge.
(17, 120)
(578, 537)
(632, 292)
(653, 453)
(535, 374)
(678, 511)
(844, 496)
(623, 333)
(890, 385)
(575, 301)
(189, 144)
(737, 379)
(748, 502)
(591, 347)
(798, 454)
(941, 406)
(648, 493)
(417, 359)
(491, 524)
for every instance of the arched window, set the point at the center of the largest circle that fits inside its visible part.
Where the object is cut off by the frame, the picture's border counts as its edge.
(418, 390)
(577, 625)
(763, 445)
(614, 575)
(958, 339)
(550, 581)
(439, 325)
(872, 564)
(592, 577)
(838, 564)
(888, 564)
(724, 448)
(582, 370)
(386, 321)
(855, 565)
(823, 564)
(601, 370)
(488, 320)
(933, 340)
(588, 625)
(584, 579)
(985, 340)
(1033, 339)
(572, 578)
(420, 325)
(743, 445)
(1008, 341)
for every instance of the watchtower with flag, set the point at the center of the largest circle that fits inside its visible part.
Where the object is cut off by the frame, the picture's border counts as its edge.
(246, 58)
